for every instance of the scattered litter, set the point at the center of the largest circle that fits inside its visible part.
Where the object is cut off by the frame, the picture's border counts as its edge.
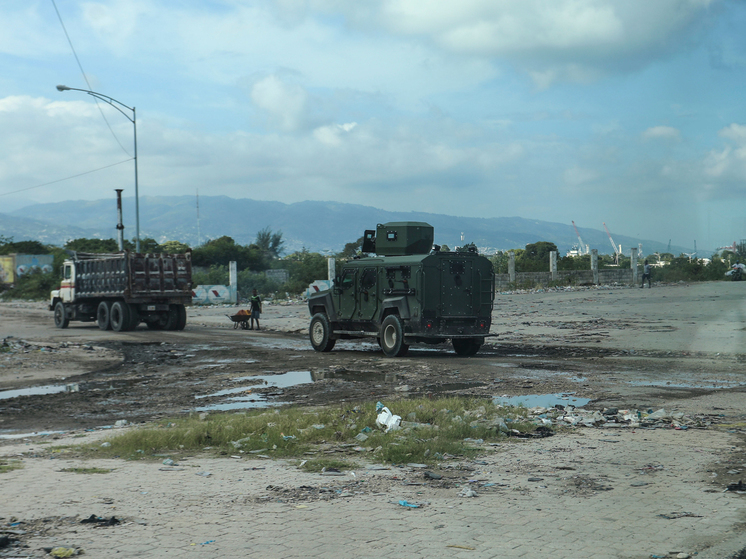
(462, 547)
(431, 475)
(468, 492)
(409, 505)
(204, 474)
(169, 462)
(106, 444)
(263, 468)
(362, 437)
(100, 521)
(740, 486)
(386, 419)
(377, 467)
(207, 542)
(64, 551)
(683, 514)
(536, 479)
(415, 465)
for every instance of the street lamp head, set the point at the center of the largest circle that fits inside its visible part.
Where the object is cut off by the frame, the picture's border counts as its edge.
(62, 88)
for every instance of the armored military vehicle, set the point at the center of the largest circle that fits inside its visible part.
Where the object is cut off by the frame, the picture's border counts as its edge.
(409, 292)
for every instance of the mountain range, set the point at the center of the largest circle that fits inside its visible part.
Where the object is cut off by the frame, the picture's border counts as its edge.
(316, 226)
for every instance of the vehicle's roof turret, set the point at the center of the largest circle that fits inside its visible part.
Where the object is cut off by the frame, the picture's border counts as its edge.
(400, 238)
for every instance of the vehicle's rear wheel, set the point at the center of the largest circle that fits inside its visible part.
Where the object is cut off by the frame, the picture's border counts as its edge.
(103, 315)
(60, 316)
(120, 316)
(172, 318)
(320, 333)
(392, 337)
(467, 346)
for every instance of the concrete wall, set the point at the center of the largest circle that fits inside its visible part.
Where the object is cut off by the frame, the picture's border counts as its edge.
(563, 277)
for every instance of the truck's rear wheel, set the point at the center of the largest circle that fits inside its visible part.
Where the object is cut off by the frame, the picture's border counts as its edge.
(467, 347)
(60, 316)
(172, 318)
(320, 332)
(392, 337)
(119, 316)
(103, 315)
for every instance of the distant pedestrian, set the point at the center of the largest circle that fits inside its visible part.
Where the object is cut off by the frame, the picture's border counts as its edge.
(256, 309)
(646, 274)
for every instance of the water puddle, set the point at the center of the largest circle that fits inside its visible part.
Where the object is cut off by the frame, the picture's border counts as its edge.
(705, 383)
(38, 390)
(241, 397)
(541, 400)
(7, 435)
(356, 376)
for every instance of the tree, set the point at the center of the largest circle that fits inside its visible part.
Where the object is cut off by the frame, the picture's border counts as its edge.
(174, 247)
(351, 250)
(270, 243)
(224, 250)
(92, 245)
(304, 268)
(535, 258)
(22, 247)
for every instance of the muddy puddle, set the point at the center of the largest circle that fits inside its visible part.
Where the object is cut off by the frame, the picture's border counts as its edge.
(248, 395)
(39, 390)
(541, 400)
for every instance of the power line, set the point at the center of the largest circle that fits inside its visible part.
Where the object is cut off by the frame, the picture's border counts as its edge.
(75, 54)
(66, 178)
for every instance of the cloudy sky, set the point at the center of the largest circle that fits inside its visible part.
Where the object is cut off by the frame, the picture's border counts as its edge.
(629, 112)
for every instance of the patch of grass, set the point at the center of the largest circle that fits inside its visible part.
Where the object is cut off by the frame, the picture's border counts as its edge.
(9, 465)
(87, 470)
(431, 430)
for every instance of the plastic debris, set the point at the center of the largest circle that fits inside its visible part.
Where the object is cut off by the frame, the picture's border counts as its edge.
(386, 419)
(468, 492)
(409, 505)
(65, 551)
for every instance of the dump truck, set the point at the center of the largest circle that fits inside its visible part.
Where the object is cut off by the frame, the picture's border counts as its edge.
(121, 290)
(408, 291)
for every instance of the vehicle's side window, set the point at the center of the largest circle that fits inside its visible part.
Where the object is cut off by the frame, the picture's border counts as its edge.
(348, 278)
(68, 272)
(368, 280)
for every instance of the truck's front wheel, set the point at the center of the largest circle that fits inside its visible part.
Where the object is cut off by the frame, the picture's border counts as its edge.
(103, 315)
(392, 337)
(320, 333)
(60, 316)
(120, 316)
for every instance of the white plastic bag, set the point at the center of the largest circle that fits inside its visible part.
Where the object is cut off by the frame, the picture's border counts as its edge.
(388, 420)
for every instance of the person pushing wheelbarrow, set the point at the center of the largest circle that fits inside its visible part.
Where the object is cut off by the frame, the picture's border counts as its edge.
(256, 309)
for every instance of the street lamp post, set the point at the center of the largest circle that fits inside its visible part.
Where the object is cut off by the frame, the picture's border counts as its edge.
(133, 119)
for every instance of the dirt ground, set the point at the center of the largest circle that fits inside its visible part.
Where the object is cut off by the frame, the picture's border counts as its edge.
(678, 347)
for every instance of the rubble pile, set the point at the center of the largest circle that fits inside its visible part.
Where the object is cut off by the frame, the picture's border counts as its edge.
(616, 418)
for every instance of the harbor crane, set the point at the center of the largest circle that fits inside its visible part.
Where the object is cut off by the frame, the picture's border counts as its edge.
(613, 245)
(582, 248)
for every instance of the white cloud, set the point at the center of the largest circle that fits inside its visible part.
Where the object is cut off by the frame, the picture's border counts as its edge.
(332, 135)
(575, 175)
(284, 103)
(728, 165)
(661, 133)
(551, 40)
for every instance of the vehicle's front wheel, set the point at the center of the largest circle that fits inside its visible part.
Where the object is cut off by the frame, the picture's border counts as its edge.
(392, 337)
(60, 316)
(320, 333)
(467, 347)
(103, 315)
(120, 316)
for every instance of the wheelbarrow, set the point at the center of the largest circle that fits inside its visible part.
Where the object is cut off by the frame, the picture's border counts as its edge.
(240, 320)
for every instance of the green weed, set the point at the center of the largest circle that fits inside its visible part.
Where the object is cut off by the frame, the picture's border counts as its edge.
(9, 465)
(431, 430)
(87, 470)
